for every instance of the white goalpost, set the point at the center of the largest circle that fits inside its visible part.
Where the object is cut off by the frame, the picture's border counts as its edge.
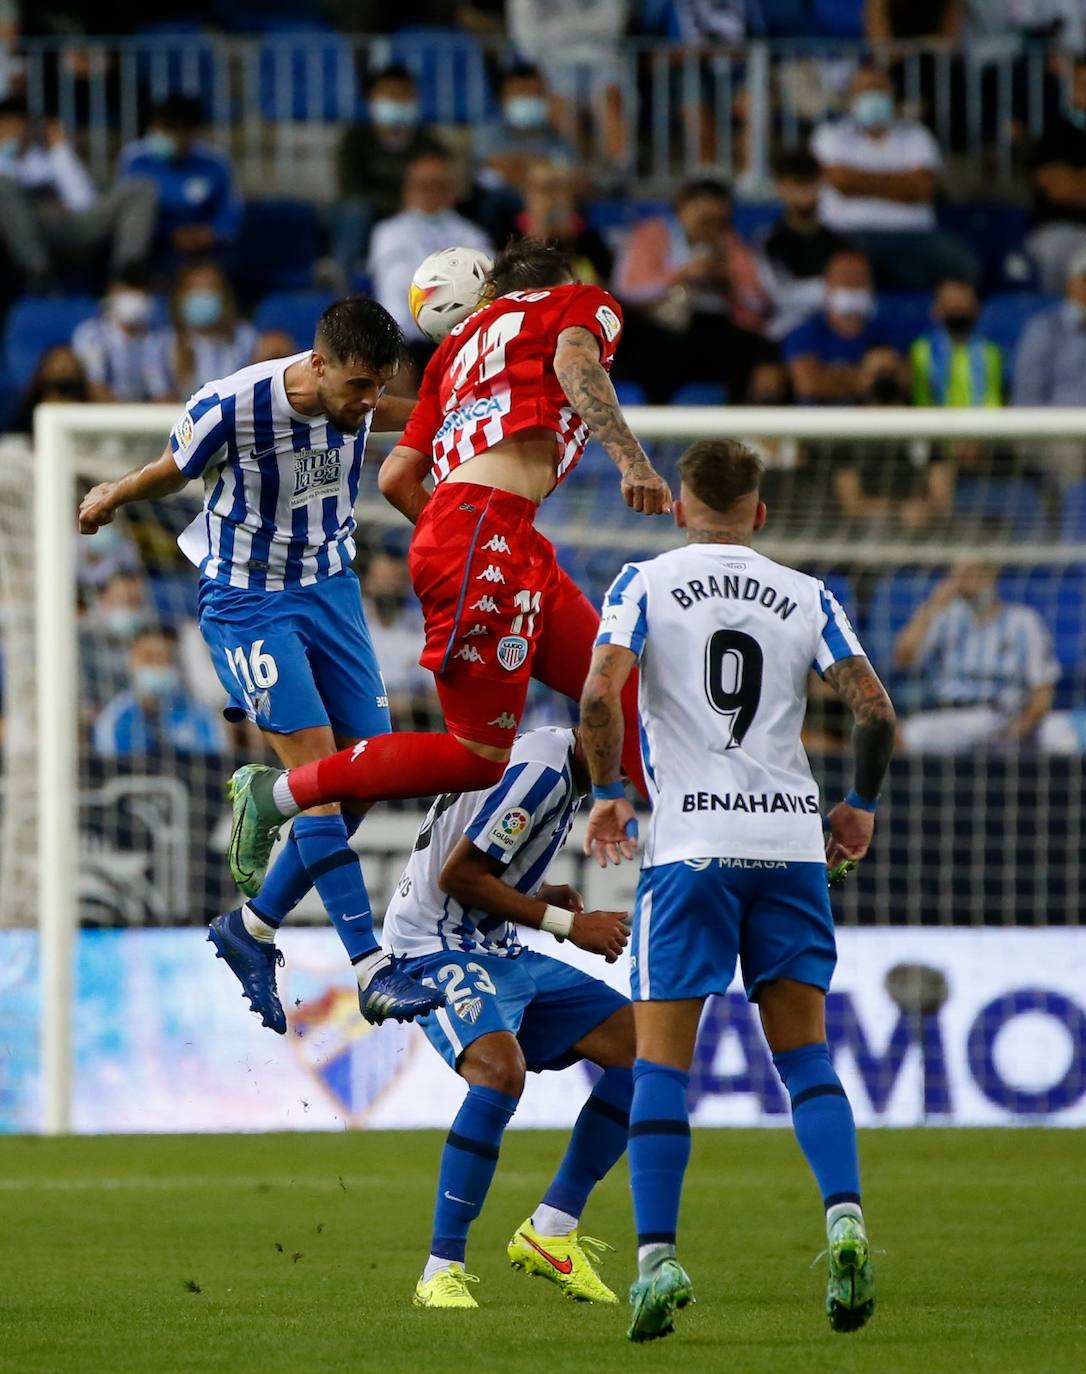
(76, 444)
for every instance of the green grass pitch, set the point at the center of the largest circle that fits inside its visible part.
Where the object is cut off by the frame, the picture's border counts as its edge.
(300, 1253)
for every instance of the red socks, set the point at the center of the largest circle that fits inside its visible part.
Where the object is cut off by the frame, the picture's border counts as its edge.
(389, 767)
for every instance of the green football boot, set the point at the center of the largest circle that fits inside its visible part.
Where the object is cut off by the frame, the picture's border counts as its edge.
(655, 1300)
(850, 1294)
(256, 825)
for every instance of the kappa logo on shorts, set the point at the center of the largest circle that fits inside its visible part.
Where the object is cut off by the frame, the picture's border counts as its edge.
(497, 543)
(470, 654)
(491, 574)
(487, 604)
(506, 721)
(476, 630)
(512, 651)
(510, 826)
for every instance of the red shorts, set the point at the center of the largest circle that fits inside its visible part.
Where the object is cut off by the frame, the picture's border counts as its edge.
(498, 610)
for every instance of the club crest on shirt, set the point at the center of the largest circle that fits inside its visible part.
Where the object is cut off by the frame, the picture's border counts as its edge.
(316, 475)
(512, 651)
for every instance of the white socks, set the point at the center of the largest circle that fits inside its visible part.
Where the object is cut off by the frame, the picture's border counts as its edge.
(549, 1221)
(843, 1209)
(370, 964)
(434, 1265)
(258, 929)
(283, 797)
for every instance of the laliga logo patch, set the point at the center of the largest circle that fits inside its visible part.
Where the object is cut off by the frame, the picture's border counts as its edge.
(512, 651)
(183, 431)
(510, 827)
(609, 322)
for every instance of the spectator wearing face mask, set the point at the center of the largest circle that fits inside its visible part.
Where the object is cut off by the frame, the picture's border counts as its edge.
(952, 365)
(114, 616)
(881, 174)
(155, 716)
(198, 206)
(59, 376)
(823, 354)
(987, 667)
(396, 630)
(1050, 365)
(115, 347)
(373, 157)
(205, 339)
(550, 212)
(503, 151)
(1058, 177)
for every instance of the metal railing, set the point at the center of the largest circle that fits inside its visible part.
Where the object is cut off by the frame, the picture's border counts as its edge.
(276, 102)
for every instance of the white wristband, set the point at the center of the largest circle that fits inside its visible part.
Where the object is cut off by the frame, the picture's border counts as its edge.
(558, 921)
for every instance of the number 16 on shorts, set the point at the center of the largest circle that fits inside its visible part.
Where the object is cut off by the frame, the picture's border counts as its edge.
(255, 671)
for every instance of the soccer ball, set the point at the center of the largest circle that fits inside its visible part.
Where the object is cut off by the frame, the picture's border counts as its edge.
(446, 288)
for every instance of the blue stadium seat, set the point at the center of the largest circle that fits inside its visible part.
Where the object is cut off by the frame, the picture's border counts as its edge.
(36, 323)
(630, 393)
(1058, 595)
(306, 72)
(606, 216)
(904, 316)
(1073, 514)
(1007, 500)
(895, 598)
(295, 311)
(750, 216)
(177, 57)
(1004, 317)
(994, 230)
(700, 394)
(278, 243)
(450, 68)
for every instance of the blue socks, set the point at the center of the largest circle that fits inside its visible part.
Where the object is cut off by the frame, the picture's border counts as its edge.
(822, 1120)
(597, 1143)
(468, 1162)
(659, 1149)
(288, 880)
(332, 867)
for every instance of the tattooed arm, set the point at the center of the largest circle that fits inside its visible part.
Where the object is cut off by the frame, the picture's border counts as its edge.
(588, 389)
(857, 684)
(608, 836)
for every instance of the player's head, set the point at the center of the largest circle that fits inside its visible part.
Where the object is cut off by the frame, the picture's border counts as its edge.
(719, 492)
(357, 350)
(526, 265)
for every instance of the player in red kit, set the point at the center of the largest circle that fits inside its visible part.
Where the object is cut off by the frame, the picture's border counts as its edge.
(505, 409)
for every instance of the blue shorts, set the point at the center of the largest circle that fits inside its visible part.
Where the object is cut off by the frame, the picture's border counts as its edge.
(693, 919)
(546, 1004)
(295, 659)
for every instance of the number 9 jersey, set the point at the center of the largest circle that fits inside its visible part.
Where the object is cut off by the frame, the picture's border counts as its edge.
(494, 376)
(726, 639)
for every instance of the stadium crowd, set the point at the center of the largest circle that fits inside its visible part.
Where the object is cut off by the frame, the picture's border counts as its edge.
(855, 285)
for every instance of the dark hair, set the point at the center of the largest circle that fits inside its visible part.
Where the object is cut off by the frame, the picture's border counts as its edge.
(526, 263)
(13, 107)
(797, 164)
(720, 472)
(155, 629)
(358, 329)
(395, 71)
(521, 71)
(177, 112)
(703, 186)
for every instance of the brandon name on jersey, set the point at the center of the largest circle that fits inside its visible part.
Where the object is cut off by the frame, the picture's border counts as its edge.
(522, 822)
(279, 487)
(728, 776)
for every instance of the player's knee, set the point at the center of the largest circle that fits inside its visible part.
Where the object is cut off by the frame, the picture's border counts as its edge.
(496, 1062)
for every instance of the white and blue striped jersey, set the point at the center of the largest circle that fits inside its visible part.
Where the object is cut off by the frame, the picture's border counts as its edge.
(997, 662)
(279, 487)
(726, 639)
(523, 822)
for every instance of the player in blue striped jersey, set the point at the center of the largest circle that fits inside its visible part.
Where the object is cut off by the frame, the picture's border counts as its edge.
(279, 449)
(478, 871)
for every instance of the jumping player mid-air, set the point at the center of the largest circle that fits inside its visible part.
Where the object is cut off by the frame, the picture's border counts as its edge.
(279, 449)
(479, 870)
(735, 861)
(506, 407)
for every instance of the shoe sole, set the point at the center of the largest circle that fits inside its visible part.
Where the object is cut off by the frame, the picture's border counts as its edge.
(533, 1273)
(845, 1318)
(215, 939)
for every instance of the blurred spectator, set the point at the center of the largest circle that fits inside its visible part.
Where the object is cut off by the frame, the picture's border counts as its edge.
(881, 175)
(524, 134)
(274, 343)
(115, 348)
(770, 385)
(115, 615)
(550, 212)
(155, 715)
(887, 21)
(1058, 174)
(890, 484)
(374, 155)
(396, 630)
(797, 248)
(10, 66)
(987, 665)
(51, 216)
(576, 43)
(59, 376)
(426, 223)
(697, 303)
(1050, 365)
(198, 209)
(205, 339)
(112, 551)
(953, 365)
(823, 355)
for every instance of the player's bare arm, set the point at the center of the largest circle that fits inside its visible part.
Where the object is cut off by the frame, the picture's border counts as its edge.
(609, 836)
(400, 480)
(474, 879)
(857, 684)
(588, 388)
(391, 414)
(147, 483)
